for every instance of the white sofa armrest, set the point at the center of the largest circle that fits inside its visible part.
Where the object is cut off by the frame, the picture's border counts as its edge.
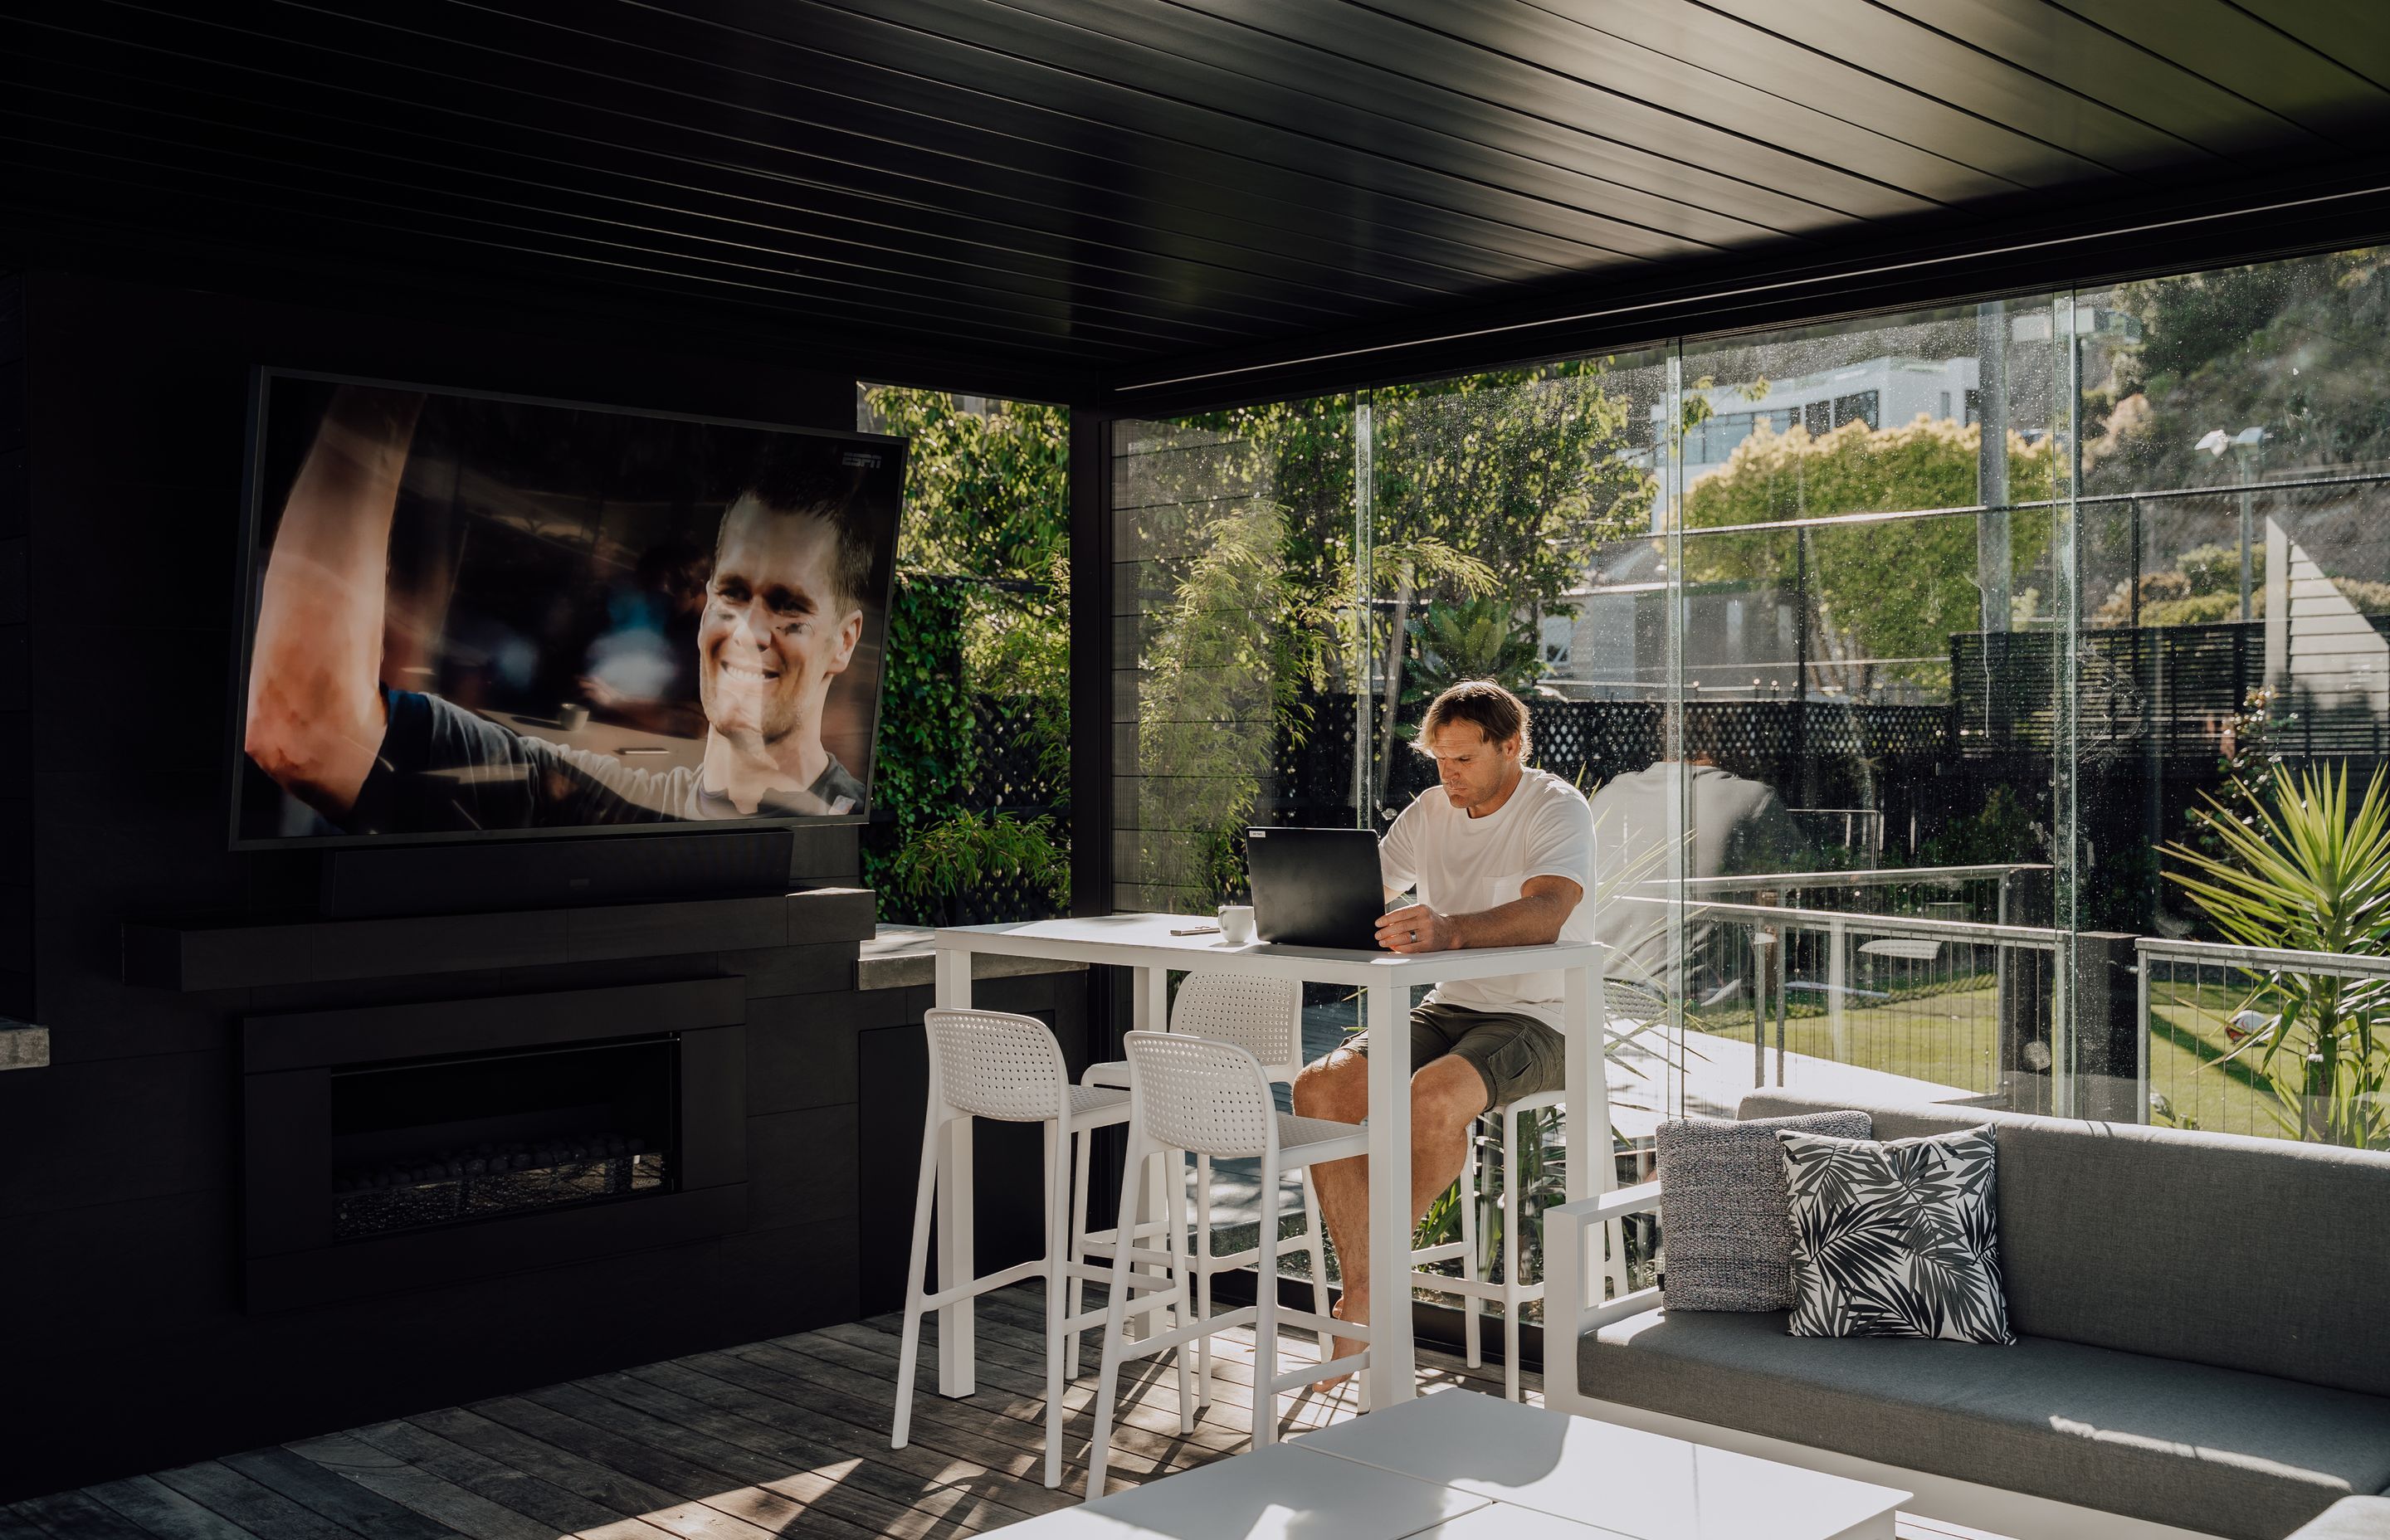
(1642, 1197)
(1569, 1275)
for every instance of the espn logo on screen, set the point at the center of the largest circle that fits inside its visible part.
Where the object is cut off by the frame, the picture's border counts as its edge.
(859, 459)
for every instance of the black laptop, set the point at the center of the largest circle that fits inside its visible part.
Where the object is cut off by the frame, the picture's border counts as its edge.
(1314, 886)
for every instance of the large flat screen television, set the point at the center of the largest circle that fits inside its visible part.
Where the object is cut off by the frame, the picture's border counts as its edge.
(473, 615)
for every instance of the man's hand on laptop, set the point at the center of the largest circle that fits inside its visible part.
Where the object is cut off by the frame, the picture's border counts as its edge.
(1417, 928)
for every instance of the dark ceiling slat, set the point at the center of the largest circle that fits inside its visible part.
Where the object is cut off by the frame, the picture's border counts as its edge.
(703, 159)
(2100, 67)
(1300, 196)
(1565, 66)
(275, 127)
(1714, 185)
(1173, 190)
(905, 35)
(1806, 69)
(956, 291)
(188, 212)
(930, 206)
(125, 157)
(939, 135)
(1879, 39)
(2357, 33)
(2222, 43)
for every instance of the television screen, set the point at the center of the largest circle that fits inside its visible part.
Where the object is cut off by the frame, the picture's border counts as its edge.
(473, 615)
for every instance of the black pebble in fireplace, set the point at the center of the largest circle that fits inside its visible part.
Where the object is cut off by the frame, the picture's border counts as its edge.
(393, 1146)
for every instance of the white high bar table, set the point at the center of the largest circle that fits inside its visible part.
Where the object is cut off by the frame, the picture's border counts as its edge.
(1143, 944)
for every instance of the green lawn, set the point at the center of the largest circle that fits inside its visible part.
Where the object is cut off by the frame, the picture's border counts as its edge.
(2187, 1035)
(1950, 1037)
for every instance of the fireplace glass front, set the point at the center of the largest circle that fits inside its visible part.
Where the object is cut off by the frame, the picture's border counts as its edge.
(424, 1142)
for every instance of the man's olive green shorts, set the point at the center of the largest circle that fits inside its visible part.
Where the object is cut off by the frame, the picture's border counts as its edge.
(1515, 1056)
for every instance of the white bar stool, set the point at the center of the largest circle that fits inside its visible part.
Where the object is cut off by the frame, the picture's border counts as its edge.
(1475, 1292)
(991, 1064)
(1265, 1018)
(1189, 1094)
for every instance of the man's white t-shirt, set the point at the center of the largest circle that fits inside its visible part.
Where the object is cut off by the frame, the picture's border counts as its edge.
(1463, 865)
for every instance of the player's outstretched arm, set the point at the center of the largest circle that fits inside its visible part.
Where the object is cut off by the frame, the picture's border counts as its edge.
(316, 716)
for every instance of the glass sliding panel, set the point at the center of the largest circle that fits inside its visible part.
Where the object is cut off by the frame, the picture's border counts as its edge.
(1236, 694)
(975, 741)
(2237, 640)
(1233, 639)
(1515, 524)
(1871, 631)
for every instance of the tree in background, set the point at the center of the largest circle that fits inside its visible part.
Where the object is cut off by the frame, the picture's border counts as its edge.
(2296, 347)
(1490, 497)
(982, 609)
(1897, 590)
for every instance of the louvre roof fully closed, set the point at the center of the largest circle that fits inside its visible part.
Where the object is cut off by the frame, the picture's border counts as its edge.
(1116, 193)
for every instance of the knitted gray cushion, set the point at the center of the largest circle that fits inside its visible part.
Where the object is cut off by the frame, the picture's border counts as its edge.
(1724, 1212)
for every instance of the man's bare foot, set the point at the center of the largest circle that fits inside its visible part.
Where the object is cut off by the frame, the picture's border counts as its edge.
(1337, 1347)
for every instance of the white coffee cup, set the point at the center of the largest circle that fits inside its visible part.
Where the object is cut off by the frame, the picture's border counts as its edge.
(1236, 923)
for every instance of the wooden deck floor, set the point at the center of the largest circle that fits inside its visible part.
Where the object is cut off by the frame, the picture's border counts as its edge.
(787, 1437)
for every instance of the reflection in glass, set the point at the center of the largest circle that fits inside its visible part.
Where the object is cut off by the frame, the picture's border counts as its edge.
(2235, 602)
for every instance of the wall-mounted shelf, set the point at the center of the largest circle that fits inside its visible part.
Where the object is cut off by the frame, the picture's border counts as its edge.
(215, 954)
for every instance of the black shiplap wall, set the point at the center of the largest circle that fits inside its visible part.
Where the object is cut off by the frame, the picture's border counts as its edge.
(16, 769)
(128, 1345)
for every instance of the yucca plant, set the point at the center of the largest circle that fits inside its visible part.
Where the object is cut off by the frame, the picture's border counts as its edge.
(2297, 869)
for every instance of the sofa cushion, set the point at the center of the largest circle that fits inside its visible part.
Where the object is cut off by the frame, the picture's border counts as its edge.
(2217, 1451)
(1896, 1238)
(2246, 1253)
(1725, 1211)
(2351, 1518)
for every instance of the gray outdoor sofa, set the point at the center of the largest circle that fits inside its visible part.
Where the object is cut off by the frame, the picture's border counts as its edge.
(2205, 1343)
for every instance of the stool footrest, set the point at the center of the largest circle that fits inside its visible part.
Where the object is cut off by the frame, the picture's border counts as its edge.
(1146, 1347)
(976, 1287)
(1352, 1363)
(1325, 1326)
(1481, 1288)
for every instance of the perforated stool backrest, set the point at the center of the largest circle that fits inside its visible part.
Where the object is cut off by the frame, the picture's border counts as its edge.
(1262, 1016)
(1193, 1094)
(993, 1064)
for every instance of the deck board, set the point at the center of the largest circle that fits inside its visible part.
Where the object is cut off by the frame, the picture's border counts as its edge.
(247, 1506)
(772, 1439)
(359, 1510)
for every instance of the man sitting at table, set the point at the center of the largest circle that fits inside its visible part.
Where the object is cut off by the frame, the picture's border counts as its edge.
(1501, 856)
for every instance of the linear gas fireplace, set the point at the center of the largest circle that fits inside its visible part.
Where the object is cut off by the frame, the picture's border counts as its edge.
(416, 1143)
(393, 1146)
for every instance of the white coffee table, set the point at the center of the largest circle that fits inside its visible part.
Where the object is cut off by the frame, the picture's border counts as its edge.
(1616, 1481)
(1280, 1493)
(1458, 1465)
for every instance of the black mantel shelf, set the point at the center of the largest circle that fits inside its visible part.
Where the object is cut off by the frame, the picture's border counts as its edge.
(217, 954)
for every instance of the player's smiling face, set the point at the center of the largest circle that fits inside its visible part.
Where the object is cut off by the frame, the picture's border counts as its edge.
(776, 628)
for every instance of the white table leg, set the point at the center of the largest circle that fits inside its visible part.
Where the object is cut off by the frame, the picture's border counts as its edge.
(957, 1326)
(1584, 1026)
(1392, 1371)
(1148, 1012)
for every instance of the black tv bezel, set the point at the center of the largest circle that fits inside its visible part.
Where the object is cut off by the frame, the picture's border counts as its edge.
(252, 577)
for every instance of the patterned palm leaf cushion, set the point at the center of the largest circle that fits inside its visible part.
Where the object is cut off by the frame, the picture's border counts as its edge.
(1900, 1239)
(1723, 1209)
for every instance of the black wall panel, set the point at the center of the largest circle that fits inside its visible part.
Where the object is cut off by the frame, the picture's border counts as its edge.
(119, 1164)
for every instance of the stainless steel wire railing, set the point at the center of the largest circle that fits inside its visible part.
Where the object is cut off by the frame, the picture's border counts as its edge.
(2200, 1003)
